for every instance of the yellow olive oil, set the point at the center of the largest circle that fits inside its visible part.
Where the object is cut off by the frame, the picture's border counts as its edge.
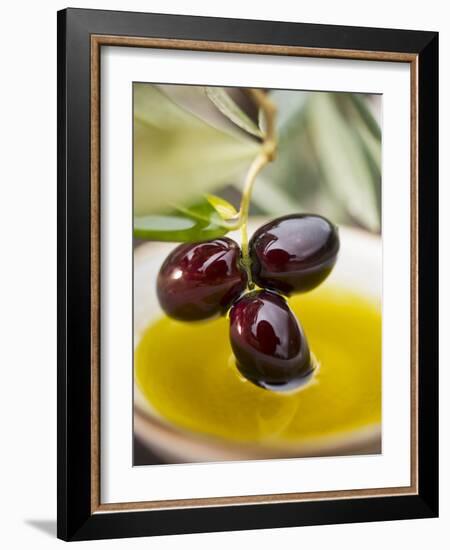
(187, 373)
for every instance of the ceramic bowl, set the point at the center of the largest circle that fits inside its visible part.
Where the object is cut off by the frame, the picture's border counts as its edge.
(358, 269)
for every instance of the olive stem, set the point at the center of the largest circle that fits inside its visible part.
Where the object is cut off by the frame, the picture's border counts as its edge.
(257, 165)
(266, 155)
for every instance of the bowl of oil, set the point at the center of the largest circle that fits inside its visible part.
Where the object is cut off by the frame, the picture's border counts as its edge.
(192, 405)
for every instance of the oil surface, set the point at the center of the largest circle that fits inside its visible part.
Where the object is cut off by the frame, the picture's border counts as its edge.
(187, 373)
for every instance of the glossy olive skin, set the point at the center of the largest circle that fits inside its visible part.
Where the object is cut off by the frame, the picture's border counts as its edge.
(294, 253)
(268, 342)
(200, 280)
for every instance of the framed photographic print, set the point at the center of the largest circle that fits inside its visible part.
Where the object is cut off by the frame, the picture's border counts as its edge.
(247, 255)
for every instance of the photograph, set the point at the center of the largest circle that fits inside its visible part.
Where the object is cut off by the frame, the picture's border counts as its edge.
(257, 273)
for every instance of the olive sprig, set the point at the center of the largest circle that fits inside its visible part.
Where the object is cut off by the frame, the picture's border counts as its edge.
(292, 254)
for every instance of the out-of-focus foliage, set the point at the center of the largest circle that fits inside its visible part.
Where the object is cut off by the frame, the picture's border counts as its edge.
(178, 156)
(328, 158)
(188, 143)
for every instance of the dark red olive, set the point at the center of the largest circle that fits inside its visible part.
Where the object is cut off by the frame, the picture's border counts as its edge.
(268, 342)
(294, 253)
(201, 280)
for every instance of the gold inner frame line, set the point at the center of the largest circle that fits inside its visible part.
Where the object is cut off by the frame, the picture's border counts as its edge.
(97, 41)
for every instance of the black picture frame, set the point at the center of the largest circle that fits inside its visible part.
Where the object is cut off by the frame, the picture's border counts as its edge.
(76, 518)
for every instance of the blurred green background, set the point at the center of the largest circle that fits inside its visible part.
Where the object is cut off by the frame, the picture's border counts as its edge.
(190, 141)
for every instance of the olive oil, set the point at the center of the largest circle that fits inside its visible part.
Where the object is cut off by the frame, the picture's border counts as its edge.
(187, 373)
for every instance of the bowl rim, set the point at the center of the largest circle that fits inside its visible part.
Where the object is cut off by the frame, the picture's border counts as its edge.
(176, 442)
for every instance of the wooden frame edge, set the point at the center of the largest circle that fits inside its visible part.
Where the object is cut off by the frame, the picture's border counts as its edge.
(253, 499)
(237, 47)
(95, 273)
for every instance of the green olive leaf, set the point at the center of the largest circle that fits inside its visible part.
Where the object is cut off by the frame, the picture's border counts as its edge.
(366, 115)
(178, 156)
(225, 209)
(291, 108)
(230, 109)
(175, 229)
(202, 211)
(342, 161)
(198, 222)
